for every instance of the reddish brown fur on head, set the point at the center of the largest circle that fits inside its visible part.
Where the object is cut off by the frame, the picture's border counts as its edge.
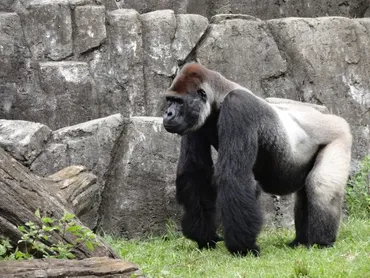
(189, 79)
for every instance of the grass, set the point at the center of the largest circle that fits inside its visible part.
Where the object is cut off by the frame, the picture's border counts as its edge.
(175, 256)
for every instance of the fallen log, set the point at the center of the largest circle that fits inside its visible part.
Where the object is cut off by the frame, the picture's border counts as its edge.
(52, 268)
(22, 193)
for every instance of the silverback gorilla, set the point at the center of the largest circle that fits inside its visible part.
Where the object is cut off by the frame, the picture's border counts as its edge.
(281, 148)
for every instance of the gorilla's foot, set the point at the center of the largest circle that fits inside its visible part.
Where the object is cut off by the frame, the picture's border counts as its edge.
(211, 244)
(295, 243)
(254, 250)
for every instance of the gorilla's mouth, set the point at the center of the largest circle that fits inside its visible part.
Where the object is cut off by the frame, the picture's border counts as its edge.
(174, 128)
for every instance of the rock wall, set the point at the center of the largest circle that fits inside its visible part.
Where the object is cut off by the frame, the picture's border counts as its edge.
(92, 75)
(264, 9)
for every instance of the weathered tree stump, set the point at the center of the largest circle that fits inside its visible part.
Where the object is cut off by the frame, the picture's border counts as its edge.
(92, 267)
(22, 193)
(78, 189)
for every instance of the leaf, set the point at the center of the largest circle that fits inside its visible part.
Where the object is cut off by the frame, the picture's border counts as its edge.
(90, 245)
(73, 229)
(67, 216)
(70, 256)
(37, 213)
(2, 250)
(47, 220)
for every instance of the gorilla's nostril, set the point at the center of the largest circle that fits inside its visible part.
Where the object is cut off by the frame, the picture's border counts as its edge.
(169, 114)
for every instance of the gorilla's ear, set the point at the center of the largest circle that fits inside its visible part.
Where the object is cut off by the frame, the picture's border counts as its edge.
(198, 61)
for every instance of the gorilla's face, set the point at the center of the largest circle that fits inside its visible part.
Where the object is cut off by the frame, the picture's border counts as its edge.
(186, 112)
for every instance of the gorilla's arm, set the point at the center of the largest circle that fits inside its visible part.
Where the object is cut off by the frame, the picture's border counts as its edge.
(238, 146)
(195, 191)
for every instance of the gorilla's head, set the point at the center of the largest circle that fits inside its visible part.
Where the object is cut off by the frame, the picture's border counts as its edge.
(189, 101)
(187, 112)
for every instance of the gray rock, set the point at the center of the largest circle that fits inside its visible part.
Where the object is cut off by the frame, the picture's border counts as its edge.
(190, 29)
(8, 93)
(71, 94)
(219, 18)
(139, 196)
(47, 26)
(251, 58)
(145, 6)
(15, 67)
(263, 9)
(160, 65)
(367, 13)
(74, 3)
(26, 4)
(126, 49)
(7, 5)
(90, 144)
(23, 140)
(112, 96)
(326, 58)
(266, 9)
(90, 27)
(12, 48)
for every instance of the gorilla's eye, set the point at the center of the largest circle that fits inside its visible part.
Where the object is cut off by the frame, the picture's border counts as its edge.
(202, 94)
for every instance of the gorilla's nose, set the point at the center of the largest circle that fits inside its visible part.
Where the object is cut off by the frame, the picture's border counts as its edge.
(169, 115)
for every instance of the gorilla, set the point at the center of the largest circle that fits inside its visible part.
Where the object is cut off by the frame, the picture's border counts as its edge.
(281, 148)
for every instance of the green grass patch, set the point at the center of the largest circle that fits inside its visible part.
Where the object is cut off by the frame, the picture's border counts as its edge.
(358, 191)
(175, 256)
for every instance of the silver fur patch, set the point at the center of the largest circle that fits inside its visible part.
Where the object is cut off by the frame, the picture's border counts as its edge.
(206, 111)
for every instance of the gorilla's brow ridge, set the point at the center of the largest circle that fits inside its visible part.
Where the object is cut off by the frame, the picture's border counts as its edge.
(191, 77)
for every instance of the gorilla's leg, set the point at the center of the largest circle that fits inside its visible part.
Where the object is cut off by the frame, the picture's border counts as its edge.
(240, 211)
(195, 190)
(300, 218)
(325, 189)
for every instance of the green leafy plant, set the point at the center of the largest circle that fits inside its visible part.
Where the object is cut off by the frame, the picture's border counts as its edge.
(358, 191)
(6, 249)
(34, 242)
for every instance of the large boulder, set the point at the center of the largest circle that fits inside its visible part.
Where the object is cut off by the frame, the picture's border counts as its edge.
(70, 93)
(23, 140)
(126, 47)
(160, 65)
(90, 29)
(13, 60)
(189, 30)
(47, 26)
(91, 144)
(139, 196)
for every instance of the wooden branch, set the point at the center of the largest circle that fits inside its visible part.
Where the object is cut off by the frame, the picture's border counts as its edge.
(92, 267)
(22, 193)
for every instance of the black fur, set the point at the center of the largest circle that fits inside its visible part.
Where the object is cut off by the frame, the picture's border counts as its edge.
(252, 154)
(195, 190)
